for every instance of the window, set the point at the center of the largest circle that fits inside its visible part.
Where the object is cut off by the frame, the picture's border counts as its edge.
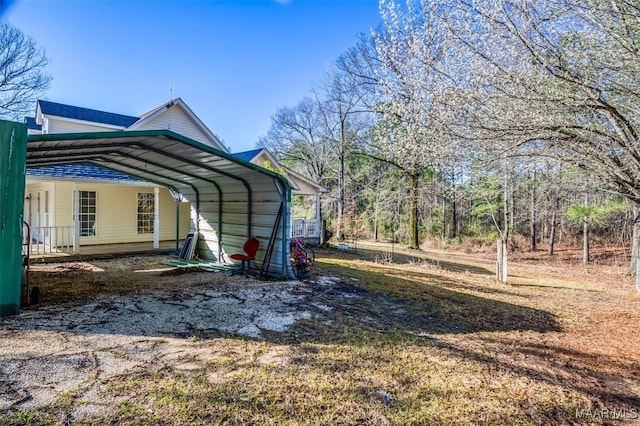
(87, 213)
(146, 212)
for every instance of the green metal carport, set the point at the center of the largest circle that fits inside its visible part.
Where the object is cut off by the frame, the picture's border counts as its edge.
(231, 199)
(13, 145)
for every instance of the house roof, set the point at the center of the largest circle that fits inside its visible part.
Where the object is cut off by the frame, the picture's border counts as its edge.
(31, 124)
(79, 171)
(293, 177)
(85, 114)
(247, 155)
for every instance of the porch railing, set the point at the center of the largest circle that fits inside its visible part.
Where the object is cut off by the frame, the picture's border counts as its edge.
(305, 228)
(50, 239)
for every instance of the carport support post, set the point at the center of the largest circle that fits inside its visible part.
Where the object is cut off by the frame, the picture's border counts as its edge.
(156, 217)
(177, 224)
(76, 219)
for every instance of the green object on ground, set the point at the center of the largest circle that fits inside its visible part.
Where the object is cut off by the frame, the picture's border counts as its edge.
(207, 266)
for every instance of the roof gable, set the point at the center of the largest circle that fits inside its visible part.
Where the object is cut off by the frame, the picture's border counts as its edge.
(179, 103)
(84, 114)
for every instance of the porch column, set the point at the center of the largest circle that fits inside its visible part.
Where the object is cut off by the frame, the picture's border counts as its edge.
(318, 231)
(76, 219)
(156, 218)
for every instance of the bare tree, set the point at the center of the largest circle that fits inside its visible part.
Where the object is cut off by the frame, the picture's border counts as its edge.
(318, 136)
(296, 137)
(346, 122)
(22, 76)
(565, 72)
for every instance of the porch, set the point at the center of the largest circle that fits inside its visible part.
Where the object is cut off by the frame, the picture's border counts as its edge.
(60, 242)
(307, 229)
(54, 243)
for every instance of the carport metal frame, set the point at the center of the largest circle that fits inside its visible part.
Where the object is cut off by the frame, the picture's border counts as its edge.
(188, 168)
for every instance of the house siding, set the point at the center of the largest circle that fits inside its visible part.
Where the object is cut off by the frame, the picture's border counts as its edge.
(63, 126)
(176, 120)
(116, 205)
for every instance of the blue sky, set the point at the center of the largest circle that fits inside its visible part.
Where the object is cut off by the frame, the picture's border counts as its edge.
(233, 62)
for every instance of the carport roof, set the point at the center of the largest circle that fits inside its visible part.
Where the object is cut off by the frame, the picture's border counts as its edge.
(163, 157)
(203, 175)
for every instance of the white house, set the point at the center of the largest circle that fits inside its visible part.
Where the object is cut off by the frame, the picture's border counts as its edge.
(309, 226)
(113, 207)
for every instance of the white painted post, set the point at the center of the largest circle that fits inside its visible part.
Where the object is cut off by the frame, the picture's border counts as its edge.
(76, 219)
(505, 262)
(499, 260)
(156, 218)
(318, 213)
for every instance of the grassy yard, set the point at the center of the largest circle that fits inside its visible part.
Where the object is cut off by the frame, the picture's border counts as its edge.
(413, 337)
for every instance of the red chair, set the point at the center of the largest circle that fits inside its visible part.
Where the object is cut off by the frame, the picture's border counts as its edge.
(250, 248)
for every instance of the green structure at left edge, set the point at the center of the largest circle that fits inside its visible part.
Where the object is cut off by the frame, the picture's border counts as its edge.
(13, 153)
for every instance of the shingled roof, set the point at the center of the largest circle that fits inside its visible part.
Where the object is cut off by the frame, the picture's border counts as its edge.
(86, 114)
(80, 171)
(31, 124)
(247, 155)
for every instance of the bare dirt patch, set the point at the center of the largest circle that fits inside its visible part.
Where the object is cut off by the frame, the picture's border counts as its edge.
(104, 319)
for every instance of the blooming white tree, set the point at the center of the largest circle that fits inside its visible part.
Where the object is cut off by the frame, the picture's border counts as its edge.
(413, 79)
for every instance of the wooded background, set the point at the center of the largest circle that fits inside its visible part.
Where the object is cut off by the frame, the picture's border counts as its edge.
(478, 120)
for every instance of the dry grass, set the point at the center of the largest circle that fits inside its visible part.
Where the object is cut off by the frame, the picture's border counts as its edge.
(411, 337)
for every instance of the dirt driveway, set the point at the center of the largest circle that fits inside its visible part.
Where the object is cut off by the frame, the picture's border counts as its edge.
(104, 319)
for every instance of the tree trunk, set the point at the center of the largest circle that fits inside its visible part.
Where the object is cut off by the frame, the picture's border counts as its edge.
(340, 200)
(444, 209)
(454, 217)
(635, 236)
(454, 207)
(413, 214)
(505, 232)
(376, 213)
(375, 229)
(532, 218)
(552, 234)
(512, 204)
(499, 260)
(585, 241)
